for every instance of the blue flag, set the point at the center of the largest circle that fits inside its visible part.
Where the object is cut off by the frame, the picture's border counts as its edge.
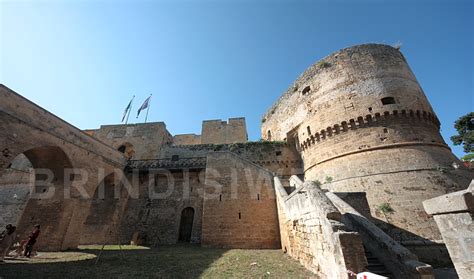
(144, 106)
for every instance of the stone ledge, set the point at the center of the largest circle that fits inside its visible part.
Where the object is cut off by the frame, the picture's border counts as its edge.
(462, 201)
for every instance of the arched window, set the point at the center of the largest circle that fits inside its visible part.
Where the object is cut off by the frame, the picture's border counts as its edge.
(269, 135)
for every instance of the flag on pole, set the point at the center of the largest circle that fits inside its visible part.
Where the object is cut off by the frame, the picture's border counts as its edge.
(144, 106)
(127, 109)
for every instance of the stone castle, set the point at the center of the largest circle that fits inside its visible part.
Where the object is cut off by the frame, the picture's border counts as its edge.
(348, 155)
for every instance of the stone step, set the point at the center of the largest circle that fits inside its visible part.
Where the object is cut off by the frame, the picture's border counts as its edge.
(375, 266)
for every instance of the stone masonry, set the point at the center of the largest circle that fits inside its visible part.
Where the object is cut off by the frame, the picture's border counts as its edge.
(355, 129)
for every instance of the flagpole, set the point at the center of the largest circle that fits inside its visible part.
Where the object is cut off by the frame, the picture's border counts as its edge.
(149, 104)
(129, 110)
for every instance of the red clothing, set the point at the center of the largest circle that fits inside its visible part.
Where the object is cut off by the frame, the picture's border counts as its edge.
(33, 236)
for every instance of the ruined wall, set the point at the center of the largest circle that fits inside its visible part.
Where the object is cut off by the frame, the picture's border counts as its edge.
(361, 120)
(219, 132)
(453, 214)
(239, 204)
(187, 139)
(312, 233)
(141, 141)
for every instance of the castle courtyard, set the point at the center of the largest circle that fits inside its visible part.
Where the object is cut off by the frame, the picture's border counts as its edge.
(236, 139)
(178, 261)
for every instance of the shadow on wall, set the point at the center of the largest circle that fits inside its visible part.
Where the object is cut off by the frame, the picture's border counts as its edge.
(436, 254)
(175, 261)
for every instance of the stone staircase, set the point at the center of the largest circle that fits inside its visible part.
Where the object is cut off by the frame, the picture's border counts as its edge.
(375, 266)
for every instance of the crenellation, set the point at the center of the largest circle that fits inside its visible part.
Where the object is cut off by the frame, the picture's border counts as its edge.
(354, 131)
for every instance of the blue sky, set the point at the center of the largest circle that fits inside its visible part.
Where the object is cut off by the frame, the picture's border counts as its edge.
(83, 60)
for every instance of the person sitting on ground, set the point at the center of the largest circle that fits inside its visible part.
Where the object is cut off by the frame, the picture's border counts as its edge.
(31, 241)
(7, 241)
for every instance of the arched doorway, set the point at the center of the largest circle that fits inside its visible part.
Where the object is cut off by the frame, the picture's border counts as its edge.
(186, 224)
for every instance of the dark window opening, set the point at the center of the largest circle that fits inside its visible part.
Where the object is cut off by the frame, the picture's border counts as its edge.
(388, 101)
(122, 148)
(269, 135)
(370, 109)
(385, 130)
(9, 166)
(306, 90)
(309, 130)
(220, 197)
(258, 197)
(278, 153)
(240, 215)
(191, 189)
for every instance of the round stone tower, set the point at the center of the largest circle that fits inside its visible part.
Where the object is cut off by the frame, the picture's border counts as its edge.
(363, 124)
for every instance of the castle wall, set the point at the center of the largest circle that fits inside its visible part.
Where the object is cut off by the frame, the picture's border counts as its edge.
(15, 189)
(276, 157)
(362, 122)
(220, 132)
(141, 141)
(16, 182)
(156, 213)
(239, 204)
(187, 139)
(51, 143)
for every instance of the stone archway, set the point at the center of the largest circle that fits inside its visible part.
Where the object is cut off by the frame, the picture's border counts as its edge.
(46, 205)
(186, 224)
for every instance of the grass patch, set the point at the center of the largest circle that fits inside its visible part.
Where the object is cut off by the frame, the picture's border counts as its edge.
(385, 208)
(112, 247)
(175, 261)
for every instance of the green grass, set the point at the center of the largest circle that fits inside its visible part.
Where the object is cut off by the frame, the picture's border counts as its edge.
(113, 247)
(177, 261)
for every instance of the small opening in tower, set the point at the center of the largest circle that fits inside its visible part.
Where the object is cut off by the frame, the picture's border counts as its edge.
(278, 153)
(220, 197)
(306, 90)
(388, 101)
(385, 130)
(309, 130)
(258, 197)
(269, 135)
(122, 148)
(240, 215)
(370, 109)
